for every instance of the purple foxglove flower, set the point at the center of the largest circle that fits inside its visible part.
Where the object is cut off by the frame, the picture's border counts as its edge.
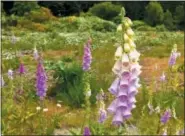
(114, 87)
(163, 77)
(166, 116)
(173, 58)
(118, 117)
(87, 58)
(21, 68)
(102, 116)
(41, 81)
(86, 132)
(10, 74)
(2, 81)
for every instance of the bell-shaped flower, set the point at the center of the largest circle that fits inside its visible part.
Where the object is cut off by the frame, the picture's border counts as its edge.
(118, 118)
(114, 87)
(126, 113)
(117, 67)
(129, 21)
(134, 55)
(102, 115)
(125, 59)
(112, 107)
(118, 53)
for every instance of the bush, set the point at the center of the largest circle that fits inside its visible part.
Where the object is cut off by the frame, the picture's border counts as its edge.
(69, 85)
(20, 7)
(179, 16)
(105, 10)
(41, 15)
(138, 23)
(154, 13)
(168, 20)
(146, 28)
(161, 28)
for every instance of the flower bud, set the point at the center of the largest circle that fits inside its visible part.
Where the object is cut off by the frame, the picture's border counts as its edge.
(126, 24)
(126, 38)
(118, 53)
(132, 44)
(119, 28)
(130, 32)
(126, 47)
(129, 21)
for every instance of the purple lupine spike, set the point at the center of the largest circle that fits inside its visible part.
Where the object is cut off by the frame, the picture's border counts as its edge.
(87, 58)
(162, 77)
(173, 57)
(103, 116)
(166, 116)
(41, 81)
(21, 68)
(86, 131)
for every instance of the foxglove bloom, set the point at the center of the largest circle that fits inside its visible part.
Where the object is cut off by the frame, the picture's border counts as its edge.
(10, 74)
(103, 115)
(21, 68)
(174, 55)
(126, 84)
(166, 116)
(87, 58)
(41, 81)
(86, 132)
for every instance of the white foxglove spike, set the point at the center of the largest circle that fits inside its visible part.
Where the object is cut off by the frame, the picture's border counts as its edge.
(118, 53)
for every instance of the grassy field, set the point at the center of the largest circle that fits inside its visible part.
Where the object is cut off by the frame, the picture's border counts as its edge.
(61, 43)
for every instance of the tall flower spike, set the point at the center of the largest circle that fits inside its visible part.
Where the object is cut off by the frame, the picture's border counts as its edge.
(86, 132)
(41, 81)
(174, 55)
(127, 70)
(87, 58)
(35, 53)
(21, 68)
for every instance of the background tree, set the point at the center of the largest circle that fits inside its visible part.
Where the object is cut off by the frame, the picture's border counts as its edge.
(154, 13)
(168, 20)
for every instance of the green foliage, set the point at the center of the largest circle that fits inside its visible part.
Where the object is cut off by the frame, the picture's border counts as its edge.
(20, 7)
(179, 15)
(69, 85)
(168, 20)
(154, 13)
(161, 28)
(105, 10)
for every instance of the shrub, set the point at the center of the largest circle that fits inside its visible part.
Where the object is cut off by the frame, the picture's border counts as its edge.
(161, 28)
(168, 20)
(138, 23)
(105, 10)
(69, 85)
(154, 13)
(20, 7)
(41, 15)
(179, 15)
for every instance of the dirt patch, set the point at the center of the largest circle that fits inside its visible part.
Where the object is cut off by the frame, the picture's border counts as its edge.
(57, 54)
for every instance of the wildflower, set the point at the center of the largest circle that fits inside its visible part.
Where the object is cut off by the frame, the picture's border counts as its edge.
(163, 77)
(86, 131)
(21, 68)
(103, 115)
(174, 55)
(38, 108)
(41, 81)
(166, 116)
(2, 81)
(10, 74)
(180, 132)
(45, 109)
(87, 57)
(59, 105)
(35, 53)
(126, 84)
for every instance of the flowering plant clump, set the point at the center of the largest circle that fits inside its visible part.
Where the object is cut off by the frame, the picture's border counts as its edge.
(41, 80)
(127, 70)
(166, 116)
(174, 55)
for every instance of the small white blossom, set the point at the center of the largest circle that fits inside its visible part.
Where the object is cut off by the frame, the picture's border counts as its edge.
(38, 108)
(59, 105)
(45, 109)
